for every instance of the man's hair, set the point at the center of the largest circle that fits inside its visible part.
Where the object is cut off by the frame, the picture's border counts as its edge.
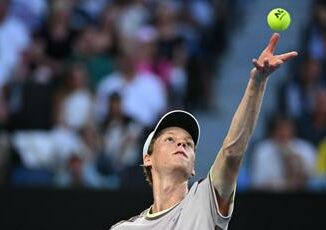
(147, 169)
(276, 119)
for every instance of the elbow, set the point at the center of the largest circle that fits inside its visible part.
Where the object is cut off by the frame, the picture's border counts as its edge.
(234, 149)
(232, 157)
(236, 145)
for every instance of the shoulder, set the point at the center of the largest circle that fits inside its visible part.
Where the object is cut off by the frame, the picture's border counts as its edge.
(197, 186)
(117, 224)
(202, 201)
(130, 220)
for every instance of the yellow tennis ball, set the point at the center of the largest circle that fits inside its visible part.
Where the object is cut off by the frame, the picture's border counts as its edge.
(278, 19)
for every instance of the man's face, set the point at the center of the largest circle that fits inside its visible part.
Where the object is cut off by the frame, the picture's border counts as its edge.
(173, 152)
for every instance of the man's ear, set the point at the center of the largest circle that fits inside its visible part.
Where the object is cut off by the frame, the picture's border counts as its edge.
(147, 160)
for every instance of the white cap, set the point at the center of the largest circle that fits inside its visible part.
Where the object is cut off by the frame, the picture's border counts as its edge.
(175, 118)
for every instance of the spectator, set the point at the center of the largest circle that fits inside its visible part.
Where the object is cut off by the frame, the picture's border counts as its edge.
(146, 46)
(31, 91)
(132, 15)
(93, 48)
(121, 137)
(282, 161)
(165, 20)
(312, 126)
(73, 109)
(72, 176)
(33, 158)
(178, 77)
(172, 73)
(83, 165)
(297, 95)
(143, 96)
(75, 100)
(14, 38)
(316, 32)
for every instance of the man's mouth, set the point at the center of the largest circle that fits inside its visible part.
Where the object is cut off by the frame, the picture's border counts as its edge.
(181, 153)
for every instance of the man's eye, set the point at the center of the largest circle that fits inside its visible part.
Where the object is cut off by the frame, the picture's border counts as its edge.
(190, 144)
(169, 139)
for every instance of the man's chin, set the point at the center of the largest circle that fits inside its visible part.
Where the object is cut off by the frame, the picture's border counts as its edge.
(182, 170)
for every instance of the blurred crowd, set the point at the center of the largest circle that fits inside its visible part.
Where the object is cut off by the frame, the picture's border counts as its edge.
(83, 81)
(292, 156)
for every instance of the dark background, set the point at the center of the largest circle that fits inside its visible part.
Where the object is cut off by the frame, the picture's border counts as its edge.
(88, 209)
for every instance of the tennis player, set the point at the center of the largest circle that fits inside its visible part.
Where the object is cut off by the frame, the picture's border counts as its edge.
(169, 159)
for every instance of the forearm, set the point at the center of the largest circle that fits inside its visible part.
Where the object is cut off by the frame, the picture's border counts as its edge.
(227, 163)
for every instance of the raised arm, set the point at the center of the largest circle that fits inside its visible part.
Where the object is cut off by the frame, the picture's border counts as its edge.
(225, 169)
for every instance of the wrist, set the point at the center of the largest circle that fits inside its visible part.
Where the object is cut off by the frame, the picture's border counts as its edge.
(258, 78)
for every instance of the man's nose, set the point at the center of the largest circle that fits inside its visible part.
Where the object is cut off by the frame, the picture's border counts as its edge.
(182, 143)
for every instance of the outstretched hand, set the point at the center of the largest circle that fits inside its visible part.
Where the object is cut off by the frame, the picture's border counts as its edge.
(267, 62)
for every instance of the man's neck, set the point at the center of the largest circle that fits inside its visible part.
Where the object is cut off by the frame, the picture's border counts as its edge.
(168, 192)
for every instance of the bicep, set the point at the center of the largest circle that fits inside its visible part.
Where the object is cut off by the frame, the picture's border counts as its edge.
(223, 175)
(224, 172)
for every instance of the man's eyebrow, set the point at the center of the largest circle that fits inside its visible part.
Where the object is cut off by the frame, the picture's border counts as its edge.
(169, 132)
(173, 133)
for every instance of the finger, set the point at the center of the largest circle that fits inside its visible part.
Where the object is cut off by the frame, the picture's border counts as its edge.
(272, 42)
(276, 65)
(266, 65)
(255, 61)
(279, 62)
(287, 56)
(276, 62)
(257, 65)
